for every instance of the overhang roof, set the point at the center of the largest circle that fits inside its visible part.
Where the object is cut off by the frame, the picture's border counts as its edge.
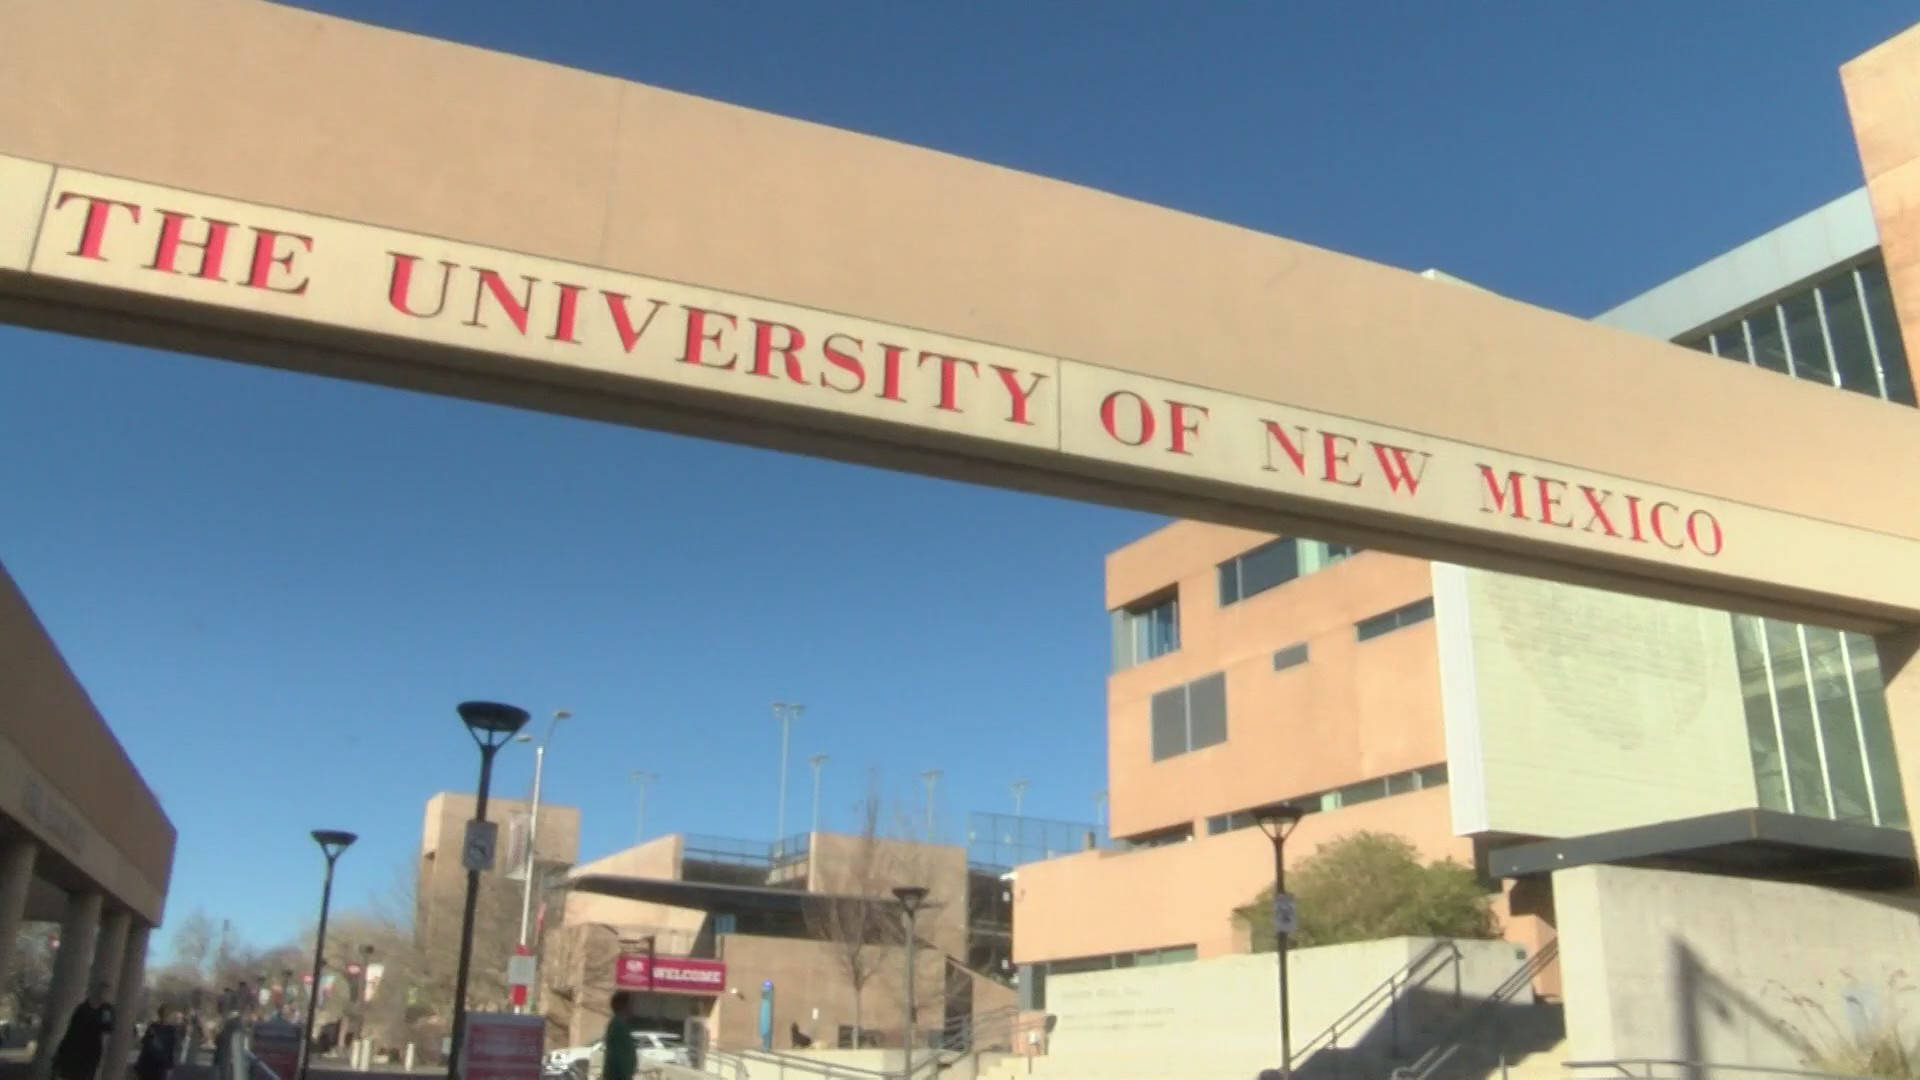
(1740, 843)
(705, 896)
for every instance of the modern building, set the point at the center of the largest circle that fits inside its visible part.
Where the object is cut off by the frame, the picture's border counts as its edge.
(1523, 727)
(735, 943)
(83, 841)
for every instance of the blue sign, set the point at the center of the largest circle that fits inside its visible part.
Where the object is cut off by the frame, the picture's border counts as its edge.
(766, 1015)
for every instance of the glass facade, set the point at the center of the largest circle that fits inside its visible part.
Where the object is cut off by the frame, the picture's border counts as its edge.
(1274, 564)
(1145, 630)
(1815, 705)
(1817, 722)
(1838, 330)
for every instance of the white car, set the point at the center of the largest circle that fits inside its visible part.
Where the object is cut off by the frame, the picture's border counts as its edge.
(652, 1047)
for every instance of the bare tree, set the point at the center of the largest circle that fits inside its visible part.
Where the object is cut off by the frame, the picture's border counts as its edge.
(30, 972)
(855, 911)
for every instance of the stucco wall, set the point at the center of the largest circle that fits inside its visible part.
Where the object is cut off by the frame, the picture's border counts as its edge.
(1354, 710)
(1220, 1015)
(1671, 965)
(1572, 711)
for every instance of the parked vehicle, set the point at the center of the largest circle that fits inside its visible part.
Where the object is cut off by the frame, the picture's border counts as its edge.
(654, 1048)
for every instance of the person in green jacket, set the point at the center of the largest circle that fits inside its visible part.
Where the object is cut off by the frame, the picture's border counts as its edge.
(622, 1059)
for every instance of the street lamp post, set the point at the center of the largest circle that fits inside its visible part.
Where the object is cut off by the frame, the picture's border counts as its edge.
(912, 898)
(1278, 821)
(533, 835)
(816, 761)
(332, 842)
(786, 713)
(491, 726)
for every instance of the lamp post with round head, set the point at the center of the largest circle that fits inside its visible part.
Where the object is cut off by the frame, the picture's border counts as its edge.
(491, 725)
(1278, 821)
(332, 842)
(912, 898)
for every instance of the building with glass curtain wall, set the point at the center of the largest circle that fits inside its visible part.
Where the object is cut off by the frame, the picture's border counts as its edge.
(1482, 716)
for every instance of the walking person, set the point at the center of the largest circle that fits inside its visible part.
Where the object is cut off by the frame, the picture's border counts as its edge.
(78, 1056)
(159, 1048)
(621, 1058)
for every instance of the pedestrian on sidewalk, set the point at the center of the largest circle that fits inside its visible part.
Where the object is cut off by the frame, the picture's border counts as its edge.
(159, 1048)
(78, 1056)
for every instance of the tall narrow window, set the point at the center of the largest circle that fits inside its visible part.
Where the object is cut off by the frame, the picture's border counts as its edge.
(1806, 345)
(1847, 330)
(1886, 332)
(1145, 630)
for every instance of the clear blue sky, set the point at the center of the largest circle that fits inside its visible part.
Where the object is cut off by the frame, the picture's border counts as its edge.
(276, 587)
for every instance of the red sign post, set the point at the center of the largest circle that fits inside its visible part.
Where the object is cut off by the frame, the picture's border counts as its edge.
(277, 1044)
(503, 1046)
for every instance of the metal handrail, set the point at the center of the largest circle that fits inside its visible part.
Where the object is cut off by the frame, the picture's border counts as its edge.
(1452, 1038)
(1390, 988)
(825, 1070)
(1623, 1066)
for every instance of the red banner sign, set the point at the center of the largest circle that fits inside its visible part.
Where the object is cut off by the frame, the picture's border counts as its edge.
(669, 974)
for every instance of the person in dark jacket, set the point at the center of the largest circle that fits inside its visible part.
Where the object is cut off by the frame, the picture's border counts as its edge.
(159, 1048)
(78, 1057)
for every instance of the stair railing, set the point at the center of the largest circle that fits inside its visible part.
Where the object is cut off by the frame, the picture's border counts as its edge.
(1456, 1034)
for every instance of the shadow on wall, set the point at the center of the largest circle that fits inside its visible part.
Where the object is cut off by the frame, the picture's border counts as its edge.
(1699, 995)
(1867, 1030)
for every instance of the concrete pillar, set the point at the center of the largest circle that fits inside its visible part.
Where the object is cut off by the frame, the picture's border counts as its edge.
(16, 881)
(109, 950)
(78, 929)
(129, 1003)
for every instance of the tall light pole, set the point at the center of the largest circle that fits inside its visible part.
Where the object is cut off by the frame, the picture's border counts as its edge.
(786, 713)
(491, 725)
(332, 842)
(1278, 822)
(533, 822)
(533, 840)
(912, 898)
(1019, 796)
(816, 761)
(642, 779)
(932, 778)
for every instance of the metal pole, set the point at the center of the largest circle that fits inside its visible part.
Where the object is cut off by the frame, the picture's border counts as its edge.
(932, 777)
(786, 714)
(319, 958)
(906, 1044)
(1279, 890)
(816, 761)
(459, 1033)
(533, 841)
(1019, 796)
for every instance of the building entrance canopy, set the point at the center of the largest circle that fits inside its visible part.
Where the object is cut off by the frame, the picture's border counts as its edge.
(879, 303)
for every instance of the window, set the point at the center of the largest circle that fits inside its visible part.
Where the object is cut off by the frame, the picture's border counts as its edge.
(1145, 630)
(1388, 621)
(1378, 787)
(1178, 834)
(1258, 570)
(1274, 564)
(1190, 717)
(1291, 656)
(1817, 722)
